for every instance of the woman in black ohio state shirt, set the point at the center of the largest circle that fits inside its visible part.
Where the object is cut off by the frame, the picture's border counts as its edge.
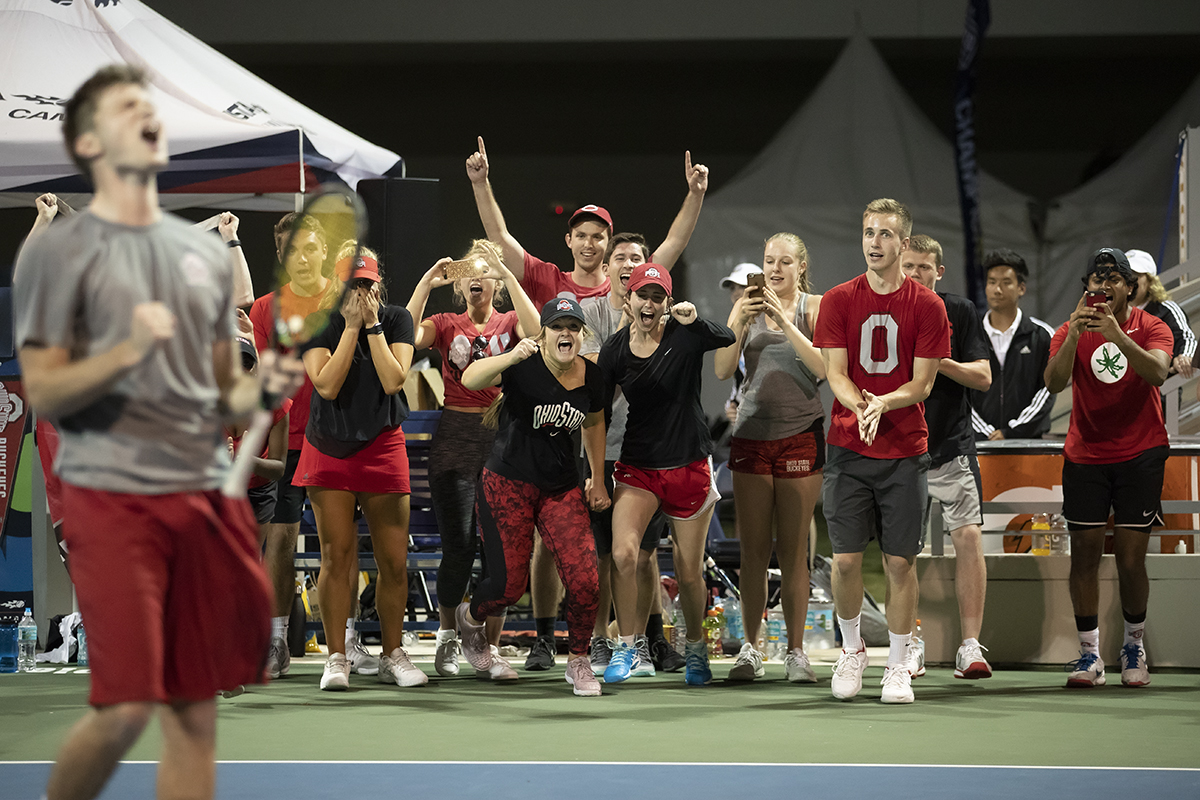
(531, 479)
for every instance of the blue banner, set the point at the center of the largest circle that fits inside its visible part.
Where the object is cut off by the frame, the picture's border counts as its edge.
(979, 16)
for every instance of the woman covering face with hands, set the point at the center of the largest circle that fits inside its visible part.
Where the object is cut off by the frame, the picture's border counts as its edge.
(354, 455)
(531, 478)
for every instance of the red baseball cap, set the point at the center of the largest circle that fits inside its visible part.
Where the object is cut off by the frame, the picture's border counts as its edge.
(645, 274)
(363, 267)
(593, 211)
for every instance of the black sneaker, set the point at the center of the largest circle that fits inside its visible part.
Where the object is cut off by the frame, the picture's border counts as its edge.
(541, 655)
(664, 656)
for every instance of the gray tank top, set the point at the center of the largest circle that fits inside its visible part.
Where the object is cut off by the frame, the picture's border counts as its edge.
(781, 396)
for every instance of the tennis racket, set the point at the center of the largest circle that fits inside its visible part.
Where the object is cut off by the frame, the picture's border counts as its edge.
(330, 228)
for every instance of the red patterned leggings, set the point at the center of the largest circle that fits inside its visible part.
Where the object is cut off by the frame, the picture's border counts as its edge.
(507, 511)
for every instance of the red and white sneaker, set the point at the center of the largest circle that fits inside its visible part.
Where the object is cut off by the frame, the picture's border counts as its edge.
(970, 663)
(915, 660)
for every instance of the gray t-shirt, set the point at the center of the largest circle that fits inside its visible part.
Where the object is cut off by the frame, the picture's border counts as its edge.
(781, 396)
(158, 430)
(604, 320)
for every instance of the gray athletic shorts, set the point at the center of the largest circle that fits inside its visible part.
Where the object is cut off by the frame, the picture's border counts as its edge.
(958, 487)
(867, 498)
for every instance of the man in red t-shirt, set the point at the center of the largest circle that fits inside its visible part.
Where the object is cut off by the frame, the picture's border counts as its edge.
(1115, 356)
(882, 337)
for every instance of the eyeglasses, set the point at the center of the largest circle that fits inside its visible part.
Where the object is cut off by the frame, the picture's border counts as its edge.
(479, 348)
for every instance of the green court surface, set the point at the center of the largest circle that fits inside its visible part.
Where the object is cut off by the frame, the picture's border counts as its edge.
(1015, 718)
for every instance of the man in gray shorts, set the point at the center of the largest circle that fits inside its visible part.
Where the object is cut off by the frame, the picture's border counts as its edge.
(954, 469)
(882, 337)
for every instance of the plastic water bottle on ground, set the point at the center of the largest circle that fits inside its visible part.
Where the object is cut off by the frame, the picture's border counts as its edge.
(818, 628)
(81, 657)
(8, 643)
(733, 619)
(776, 646)
(712, 633)
(26, 642)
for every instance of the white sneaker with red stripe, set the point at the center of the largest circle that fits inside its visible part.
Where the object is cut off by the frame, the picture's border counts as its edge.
(970, 663)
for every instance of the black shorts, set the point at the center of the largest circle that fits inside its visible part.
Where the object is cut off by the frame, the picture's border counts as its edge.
(289, 504)
(1132, 489)
(263, 500)
(602, 522)
(866, 498)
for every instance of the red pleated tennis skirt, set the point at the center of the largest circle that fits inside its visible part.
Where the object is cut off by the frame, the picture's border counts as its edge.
(379, 468)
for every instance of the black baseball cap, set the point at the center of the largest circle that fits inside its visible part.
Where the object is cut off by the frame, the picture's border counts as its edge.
(249, 353)
(561, 307)
(1120, 265)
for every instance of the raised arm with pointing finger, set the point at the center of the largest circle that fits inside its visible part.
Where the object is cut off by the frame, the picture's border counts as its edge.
(489, 212)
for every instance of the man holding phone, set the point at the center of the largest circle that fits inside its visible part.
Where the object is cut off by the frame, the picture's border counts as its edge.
(1115, 356)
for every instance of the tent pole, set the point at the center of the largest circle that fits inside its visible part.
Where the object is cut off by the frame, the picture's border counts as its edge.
(303, 189)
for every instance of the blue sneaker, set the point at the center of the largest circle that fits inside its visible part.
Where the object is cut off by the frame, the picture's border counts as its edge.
(696, 670)
(620, 664)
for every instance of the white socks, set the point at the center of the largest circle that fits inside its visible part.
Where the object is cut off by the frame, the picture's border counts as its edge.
(897, 648)
(1134, 631)
(628, 640)
(851, 637)
(279, 627)
(1089, 641)
(446, 634)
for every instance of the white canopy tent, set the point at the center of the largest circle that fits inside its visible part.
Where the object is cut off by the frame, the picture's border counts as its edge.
(235, 141)
(858, 137)
(1125, 206)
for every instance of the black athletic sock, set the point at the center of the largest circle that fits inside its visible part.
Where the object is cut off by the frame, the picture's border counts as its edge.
(545, 627)
(654, 627)
(1133, 619)
(1089, 623)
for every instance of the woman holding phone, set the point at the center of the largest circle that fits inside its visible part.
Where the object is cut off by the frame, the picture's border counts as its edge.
(778, 447)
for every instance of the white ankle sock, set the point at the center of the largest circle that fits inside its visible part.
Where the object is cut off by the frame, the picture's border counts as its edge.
(970, 641)
(279, 627)
(446, 634)
(1089, 641)
(1134, 631)
(898, 648)
(628, 640)
(851, 638)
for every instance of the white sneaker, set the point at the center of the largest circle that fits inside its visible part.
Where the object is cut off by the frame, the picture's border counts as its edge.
(847, 674)
(1086, 671)
(360, 661)
(396, 668)
(473, 639)
(796, 667)
(336, 677)
(498, 669)
(897, 684)
(279, 658)
(749, 664)
(445, 659)
(970, 663)
(643, 665)
(915, 661)
(1134, 671)
(583, 681)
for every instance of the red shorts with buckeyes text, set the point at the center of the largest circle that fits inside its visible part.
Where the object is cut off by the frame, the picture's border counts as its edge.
(794, 457)
(684, 492)
(173, 595)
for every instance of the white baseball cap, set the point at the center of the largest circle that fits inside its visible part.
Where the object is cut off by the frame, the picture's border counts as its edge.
(1141, 261)
(740, 273)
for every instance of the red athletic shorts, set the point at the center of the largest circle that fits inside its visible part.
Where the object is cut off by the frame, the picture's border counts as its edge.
(173, 595)
(47, 445)
(684, 492)
(794, 457)
(379, 468)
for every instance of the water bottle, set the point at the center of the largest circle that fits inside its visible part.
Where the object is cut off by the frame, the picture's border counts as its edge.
(733, 619)
(1060, 538)
(680, 627)
(776, 647)
(712, 634)
(760, 644)
(818, 628)
(8, 643)
(26, 642)
(81, 658)
(409, 640)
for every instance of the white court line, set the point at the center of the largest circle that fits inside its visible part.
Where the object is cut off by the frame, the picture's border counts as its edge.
(681, 764)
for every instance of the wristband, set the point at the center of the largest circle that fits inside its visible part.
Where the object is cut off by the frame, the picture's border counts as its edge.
(376, 328)
(234, 243)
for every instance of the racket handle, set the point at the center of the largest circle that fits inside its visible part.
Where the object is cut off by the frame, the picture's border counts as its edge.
(238, 477)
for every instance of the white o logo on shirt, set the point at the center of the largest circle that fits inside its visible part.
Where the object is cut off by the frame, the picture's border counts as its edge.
(892, 359)
(1109, 364)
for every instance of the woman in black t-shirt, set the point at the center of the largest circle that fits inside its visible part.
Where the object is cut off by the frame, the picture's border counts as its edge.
(531, 478)
(665, 455)
(354, 454)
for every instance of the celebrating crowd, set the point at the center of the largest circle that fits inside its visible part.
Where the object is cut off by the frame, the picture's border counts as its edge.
(572, 440)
